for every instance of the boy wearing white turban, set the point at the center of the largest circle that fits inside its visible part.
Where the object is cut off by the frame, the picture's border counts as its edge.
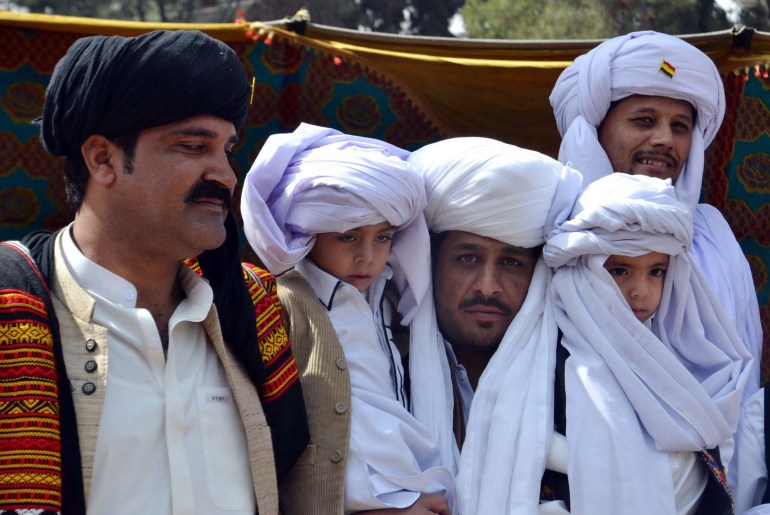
(648, 103)
(646, 398)
(489, 323)
(330, 205)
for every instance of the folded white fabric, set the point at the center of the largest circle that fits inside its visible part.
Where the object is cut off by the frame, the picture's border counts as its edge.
(513, 195)
(635, 390)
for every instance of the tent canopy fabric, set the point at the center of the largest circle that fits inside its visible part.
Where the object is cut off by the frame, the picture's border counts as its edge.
(409, 91)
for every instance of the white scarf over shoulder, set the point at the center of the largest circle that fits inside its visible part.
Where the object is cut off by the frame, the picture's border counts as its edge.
(635, 392)
(513, 195)
(630, 65)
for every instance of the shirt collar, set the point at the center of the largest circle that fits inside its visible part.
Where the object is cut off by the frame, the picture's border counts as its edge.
(106, 285)
(324, 284)
(94, 278)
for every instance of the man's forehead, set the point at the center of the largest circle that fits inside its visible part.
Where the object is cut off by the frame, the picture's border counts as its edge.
(656, 103)
(462, 240)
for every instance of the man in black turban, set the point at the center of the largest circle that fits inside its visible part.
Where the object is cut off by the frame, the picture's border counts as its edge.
(141, 387)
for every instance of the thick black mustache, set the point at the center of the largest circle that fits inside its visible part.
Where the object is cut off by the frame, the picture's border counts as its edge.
(210, 190)
(478, 300)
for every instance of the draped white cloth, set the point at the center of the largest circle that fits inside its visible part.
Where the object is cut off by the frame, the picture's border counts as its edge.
(513, 195)
(319, 180)
(630, 65)
(634, 393)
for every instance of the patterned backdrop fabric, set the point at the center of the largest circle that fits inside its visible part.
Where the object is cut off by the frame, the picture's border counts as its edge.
(297, 81)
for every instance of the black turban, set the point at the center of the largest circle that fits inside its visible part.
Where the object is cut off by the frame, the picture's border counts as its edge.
(116, 86)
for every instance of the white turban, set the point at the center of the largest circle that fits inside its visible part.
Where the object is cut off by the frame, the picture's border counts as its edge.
(631, 65)
(515, 196)
(318, 180)
(636, 391)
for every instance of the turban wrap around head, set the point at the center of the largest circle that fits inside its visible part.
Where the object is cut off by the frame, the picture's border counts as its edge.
(318, 180)
(115, 86)
(631, 65)
(516, 196)
(638, 390)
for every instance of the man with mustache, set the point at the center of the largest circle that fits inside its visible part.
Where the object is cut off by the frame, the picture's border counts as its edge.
(493, 337)
(134, 376)
(650, 104)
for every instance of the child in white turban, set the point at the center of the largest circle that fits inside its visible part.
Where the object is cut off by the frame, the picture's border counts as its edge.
(656, 370)
(347, 213)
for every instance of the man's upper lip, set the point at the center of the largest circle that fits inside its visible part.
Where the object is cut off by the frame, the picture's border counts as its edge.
(485, 309)
(210, 200)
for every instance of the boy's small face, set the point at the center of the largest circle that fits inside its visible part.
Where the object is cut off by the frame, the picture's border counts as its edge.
(641, 280)
(357, 256)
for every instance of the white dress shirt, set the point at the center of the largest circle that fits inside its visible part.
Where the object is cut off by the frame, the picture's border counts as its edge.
(170, 438)
(392, 458)
(747, 473)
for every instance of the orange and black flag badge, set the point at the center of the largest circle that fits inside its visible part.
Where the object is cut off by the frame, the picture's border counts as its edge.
(667, 69)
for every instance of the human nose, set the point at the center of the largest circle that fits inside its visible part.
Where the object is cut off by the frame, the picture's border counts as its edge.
(662, 136)
(638, 289)
(487, 282)
(220, 171)
(364, 253)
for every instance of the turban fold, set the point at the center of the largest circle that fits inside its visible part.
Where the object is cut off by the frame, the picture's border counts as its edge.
(114, 86)
(634, 65)
(516, 196)
(637, 391)
(319, 180)
(496, 190)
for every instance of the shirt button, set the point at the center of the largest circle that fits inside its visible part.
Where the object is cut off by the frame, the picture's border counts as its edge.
(461, 374)
(89, 388)
(340, 362)
(91, 345)
(337, 456)
(340, 407)
(90, 366)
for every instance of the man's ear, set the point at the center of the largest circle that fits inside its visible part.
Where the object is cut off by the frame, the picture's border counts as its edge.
(102, 158)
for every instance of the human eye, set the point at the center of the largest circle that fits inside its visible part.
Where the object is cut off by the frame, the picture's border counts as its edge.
(467, 259)
(682, 127)
(192, 147)
(384, 238)
(617, 271)
(347, 237)
(658, 272)
(511, 261)
(643, 121)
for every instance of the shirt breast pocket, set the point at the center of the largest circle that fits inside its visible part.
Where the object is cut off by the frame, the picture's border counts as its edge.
(224, 450)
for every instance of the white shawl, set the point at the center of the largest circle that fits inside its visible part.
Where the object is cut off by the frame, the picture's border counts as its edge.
(634, 393)
(499, 191)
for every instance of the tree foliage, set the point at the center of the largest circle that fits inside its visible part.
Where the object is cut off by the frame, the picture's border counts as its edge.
(580, 19)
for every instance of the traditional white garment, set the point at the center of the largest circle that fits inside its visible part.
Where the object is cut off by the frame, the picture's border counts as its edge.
(499, 191)
(631, 65)
(747, 473)
(318, 180)
(381, 471)
(636, 394)
(170, 436)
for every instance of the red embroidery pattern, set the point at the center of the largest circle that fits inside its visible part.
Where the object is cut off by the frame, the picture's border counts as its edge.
(30, 458)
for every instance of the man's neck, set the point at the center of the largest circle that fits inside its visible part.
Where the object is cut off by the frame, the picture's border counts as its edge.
(474, 361)
(156, 280)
